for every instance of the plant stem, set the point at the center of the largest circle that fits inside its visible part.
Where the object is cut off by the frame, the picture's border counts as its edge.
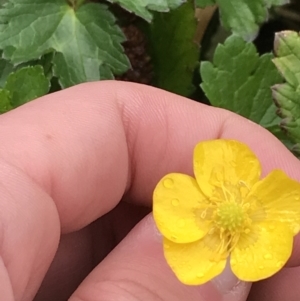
(78, 3)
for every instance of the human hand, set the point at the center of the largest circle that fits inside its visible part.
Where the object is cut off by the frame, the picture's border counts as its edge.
(67, 159)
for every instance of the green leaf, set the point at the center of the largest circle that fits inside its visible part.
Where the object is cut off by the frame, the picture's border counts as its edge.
(86, 41)
(45, 61)
(5, 69)
(5, 99)
(287, 95)
(243, 17)
(239, 80)
(142, 7)
(174, 53)
(26, 84)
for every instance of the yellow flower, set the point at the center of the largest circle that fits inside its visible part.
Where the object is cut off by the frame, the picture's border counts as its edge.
(226, 213)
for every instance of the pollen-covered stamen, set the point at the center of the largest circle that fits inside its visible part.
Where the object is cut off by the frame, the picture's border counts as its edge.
(231, 219)
(230, 216)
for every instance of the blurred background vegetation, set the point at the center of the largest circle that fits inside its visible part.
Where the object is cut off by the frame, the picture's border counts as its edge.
(151, 66)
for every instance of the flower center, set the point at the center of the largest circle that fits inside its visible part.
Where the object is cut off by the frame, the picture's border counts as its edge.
(230, 216)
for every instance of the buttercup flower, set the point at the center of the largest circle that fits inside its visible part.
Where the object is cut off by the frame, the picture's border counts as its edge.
(226, 213)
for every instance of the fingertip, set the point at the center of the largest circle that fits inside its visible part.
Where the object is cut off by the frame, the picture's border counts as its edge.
(5, 284)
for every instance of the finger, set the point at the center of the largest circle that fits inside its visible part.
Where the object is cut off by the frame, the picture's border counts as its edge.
(73, 261)
(29, 232)
(6, 288)
(114, 136)
(86, 145)
(79, 252)
(137, 270)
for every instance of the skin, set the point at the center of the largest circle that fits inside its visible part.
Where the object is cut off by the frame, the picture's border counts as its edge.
(77, 171)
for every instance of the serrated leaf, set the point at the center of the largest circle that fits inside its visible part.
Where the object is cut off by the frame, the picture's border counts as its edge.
(26, 84)
(5, 69)
(173, 50)
(23, 85)
(86, 41)
(142, 7)
(287, 95)
(243, 17)
(46, 61)
(5, 99)
(239, 80)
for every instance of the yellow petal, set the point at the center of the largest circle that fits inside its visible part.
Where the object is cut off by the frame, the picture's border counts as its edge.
(262, 252)
(177, 207)
(195, 263)
(279, 197)
(220, 162)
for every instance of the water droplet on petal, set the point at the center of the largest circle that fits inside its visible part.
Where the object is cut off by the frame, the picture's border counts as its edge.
(246, 206)
(203, 214)
(268, 256)
(247, 231)
(173, 238)
(175, 202)
(200, 275)
(168, 183)
(261, 267)
(181, 223)
(211, 231)
(296, 229)
(279, 264)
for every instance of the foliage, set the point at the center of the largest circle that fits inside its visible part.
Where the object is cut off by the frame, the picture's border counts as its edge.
(142, 7)
(22, 86)
(243, 17)
(237, 65)
(173, 50)
(286, 96)
(86, 41)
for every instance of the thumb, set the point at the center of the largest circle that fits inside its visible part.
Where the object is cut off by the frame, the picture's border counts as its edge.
(137, 270)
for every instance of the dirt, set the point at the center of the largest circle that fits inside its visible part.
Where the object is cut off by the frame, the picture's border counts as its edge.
(136, 49)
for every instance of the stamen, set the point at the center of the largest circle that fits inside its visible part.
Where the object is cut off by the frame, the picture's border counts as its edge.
(246, 206)
(203, 214)
(242, 183)
(211, 230)
(225, 192)
(230, 218)
(234, 241)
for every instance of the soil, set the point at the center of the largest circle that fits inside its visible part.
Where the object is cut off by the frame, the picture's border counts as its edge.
(136, 49)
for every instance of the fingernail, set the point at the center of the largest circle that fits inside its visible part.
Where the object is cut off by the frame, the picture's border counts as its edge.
(229, 285)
